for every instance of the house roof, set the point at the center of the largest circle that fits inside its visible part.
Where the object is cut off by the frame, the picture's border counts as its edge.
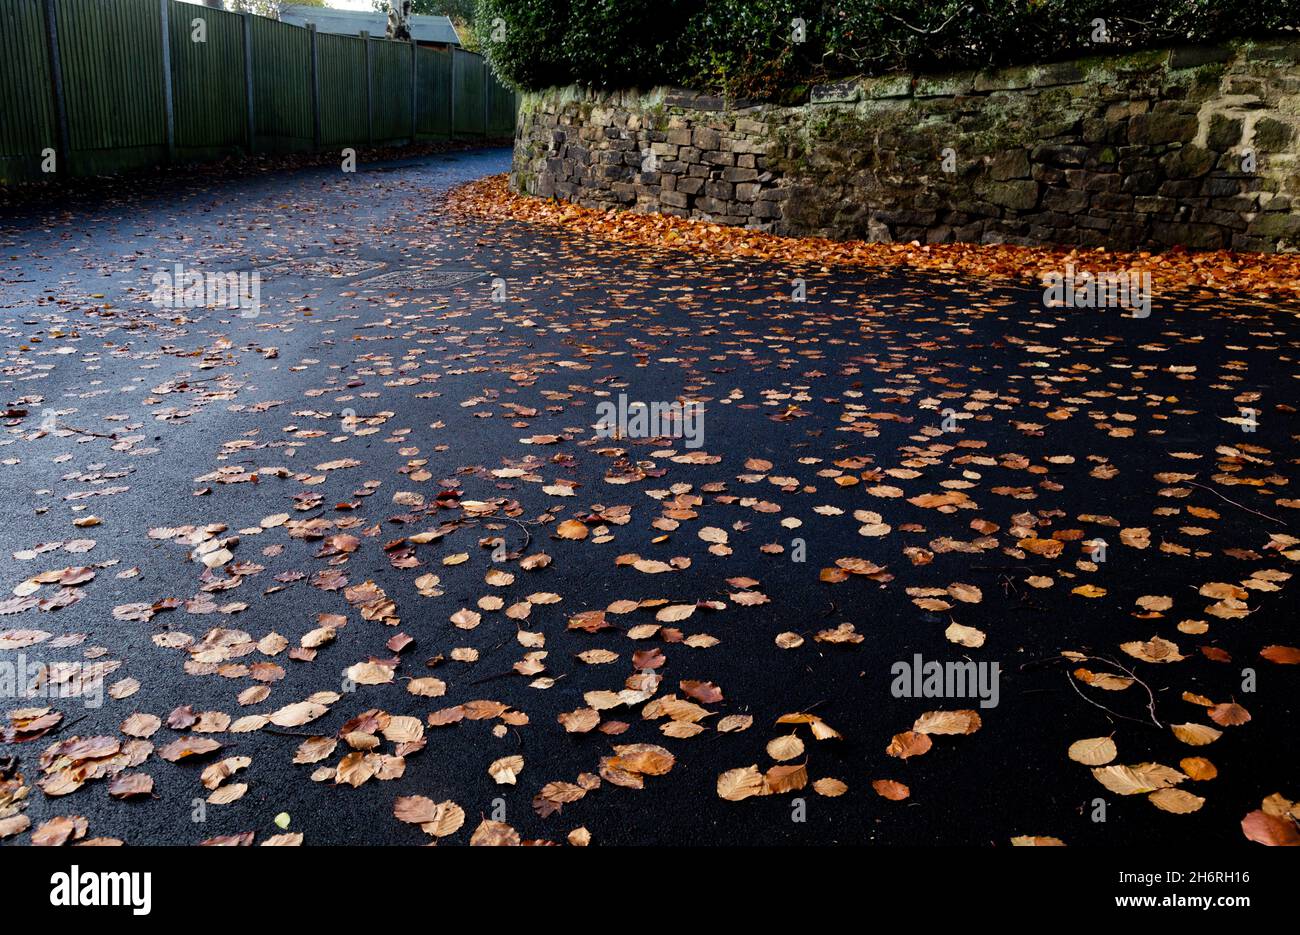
(352, 22)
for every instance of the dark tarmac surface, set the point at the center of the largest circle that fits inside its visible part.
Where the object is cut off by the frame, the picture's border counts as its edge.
(1082, 423)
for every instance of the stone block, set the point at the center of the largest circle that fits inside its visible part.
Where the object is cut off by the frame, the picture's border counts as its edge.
(1274, 226)
(1224, 132)
(839, 92)
(1194, 236)
(1011, 164)
(1060, 154)
(953, 85)
(1004, 79)
(1065, 200)
(719, 189)
(1187, 162)
(888, 86)
(1017, 195)
(1272, 135)
(1161, 127)
(1196, 55)
(1057, 73)
(704, 138)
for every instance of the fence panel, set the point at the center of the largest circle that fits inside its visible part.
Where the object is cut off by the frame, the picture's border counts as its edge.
(111, 55)
(390, 74)
(471, 93)
(28, 124)
(502, 105)
(138, 92)
(209, 93)
(282, 107)
(433, 93)
(342, 68)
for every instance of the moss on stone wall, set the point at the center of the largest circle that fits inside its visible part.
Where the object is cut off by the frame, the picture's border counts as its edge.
(1142, 149)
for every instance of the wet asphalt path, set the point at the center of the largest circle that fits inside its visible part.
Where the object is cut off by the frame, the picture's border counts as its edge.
(1083, 422)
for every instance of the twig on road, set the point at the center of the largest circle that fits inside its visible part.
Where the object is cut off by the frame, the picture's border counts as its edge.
(74, 429)
(1151, 698)
(1238, 505)
(1096, 704)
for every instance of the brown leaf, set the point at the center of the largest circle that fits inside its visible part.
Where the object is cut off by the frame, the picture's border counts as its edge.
(786, 747)
(948, 722)
(786, 778)
(507, 769)
(494, 834)
(580, 721)
(889, 789)
(414, 809)
(1095, 751)
(128, 785)
(743, 783)
(908, 744)
(1229, 714)
(1263, 828)
(188, 747)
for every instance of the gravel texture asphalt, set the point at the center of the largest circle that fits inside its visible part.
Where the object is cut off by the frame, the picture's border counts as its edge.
(380, 353)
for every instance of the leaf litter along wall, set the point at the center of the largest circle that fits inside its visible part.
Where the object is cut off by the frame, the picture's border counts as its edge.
(1196, 147)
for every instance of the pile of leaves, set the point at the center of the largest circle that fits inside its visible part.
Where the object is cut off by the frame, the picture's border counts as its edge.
(1217, 272)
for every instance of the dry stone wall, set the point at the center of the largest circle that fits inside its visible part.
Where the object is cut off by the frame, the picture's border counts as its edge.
(1196, 147)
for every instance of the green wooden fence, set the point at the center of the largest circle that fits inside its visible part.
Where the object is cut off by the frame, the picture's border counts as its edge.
(27, 117)
(92, 87)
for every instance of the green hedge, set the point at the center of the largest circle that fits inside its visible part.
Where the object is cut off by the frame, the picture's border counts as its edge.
(749, 48)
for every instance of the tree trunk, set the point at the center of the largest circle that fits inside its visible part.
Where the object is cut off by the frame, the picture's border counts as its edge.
(399, 20)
